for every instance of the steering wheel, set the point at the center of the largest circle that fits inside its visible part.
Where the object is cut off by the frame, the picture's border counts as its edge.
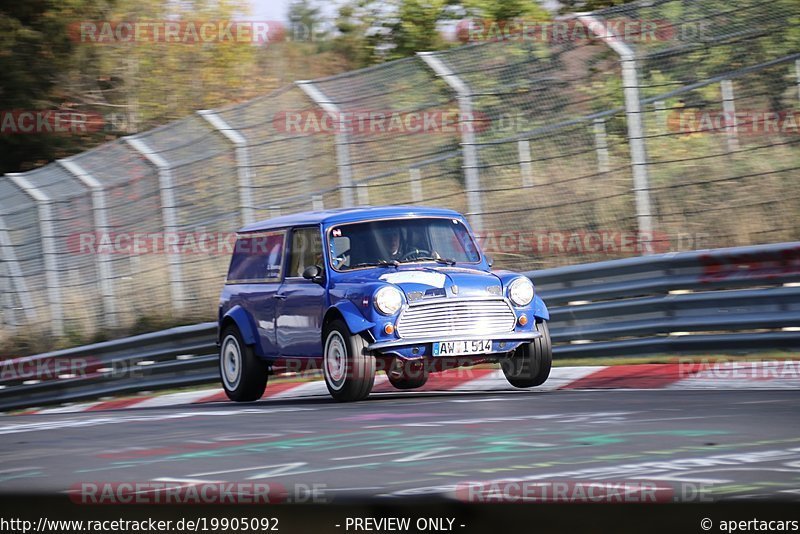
(416, 253)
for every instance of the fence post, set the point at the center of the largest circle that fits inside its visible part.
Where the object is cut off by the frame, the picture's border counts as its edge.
(49, 255)
(797, 69)
(15, 275)
(9, 313)
(415, 183)
(661, 116)
(243, 169)
(469, 148)
(633, 112)
(100, 220)
(362, 191)
(601, 145)
(729, 111)
(525, 162)
(342, 140)
(169, 215)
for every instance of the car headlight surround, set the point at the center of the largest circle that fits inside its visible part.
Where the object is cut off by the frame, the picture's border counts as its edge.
(520, 291)
(388, 300)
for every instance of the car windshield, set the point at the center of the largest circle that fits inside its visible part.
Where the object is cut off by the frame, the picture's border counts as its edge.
(395, 241)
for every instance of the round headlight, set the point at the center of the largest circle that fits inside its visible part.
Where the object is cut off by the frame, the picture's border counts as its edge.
(388, 300)
(520, 291)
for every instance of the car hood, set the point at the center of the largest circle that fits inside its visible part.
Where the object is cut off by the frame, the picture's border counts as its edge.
(422, 282)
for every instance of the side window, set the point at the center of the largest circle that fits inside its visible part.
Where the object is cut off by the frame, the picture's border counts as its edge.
(340, 252)
(306, 250)
(257, 258)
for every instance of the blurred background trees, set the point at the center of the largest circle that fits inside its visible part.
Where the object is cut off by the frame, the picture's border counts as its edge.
(136, 86)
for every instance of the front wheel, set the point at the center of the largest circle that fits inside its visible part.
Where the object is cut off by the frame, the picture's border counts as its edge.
(244, 375)
(348, 368)
(530, 364)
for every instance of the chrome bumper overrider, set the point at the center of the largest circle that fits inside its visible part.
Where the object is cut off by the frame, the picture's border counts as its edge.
(508, 336)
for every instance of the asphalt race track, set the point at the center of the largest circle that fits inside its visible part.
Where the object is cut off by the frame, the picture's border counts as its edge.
(730, 444)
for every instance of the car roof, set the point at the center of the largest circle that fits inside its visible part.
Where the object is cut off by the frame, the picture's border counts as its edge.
(340, 215)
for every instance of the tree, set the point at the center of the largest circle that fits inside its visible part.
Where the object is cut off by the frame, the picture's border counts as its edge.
(505, 10)
(48, 64)
(371, 31)
(305, 20)
(36, 56)
(572, 6)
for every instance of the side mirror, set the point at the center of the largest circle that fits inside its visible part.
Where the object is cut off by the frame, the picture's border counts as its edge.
(489, 260)
(315, 274)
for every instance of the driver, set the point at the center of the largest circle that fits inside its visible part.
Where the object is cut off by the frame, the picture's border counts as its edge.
(391, 244)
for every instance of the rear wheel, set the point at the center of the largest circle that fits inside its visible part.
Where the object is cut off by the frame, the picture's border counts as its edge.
(348, 368)
(244, 375)
(530, 364)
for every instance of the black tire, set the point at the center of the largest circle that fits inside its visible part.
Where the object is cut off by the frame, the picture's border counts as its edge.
(243, 374)
(530, 364)
(348, 368)
(409, 376)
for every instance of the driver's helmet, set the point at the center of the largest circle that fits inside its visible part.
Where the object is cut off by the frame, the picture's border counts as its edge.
(391, 239)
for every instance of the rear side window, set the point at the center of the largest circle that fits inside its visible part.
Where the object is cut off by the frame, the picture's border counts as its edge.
(306, 250)
(257, 258)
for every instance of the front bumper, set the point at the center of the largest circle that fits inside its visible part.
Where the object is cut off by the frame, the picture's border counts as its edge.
(514, 337)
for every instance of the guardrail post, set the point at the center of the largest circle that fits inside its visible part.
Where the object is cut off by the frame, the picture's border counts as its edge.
(49, 255)
(601, 145)
(525, 162)
(469, 147)
(633, 112)
(15, 276)
(243, 168)
(168, 214)
(729, 111)
(103, 261)
(342, 140)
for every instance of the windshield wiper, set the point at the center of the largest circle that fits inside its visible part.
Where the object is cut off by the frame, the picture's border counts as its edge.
(443, 261)
(382, 263)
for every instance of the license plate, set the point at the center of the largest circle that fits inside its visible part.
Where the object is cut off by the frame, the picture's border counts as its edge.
(460, 348)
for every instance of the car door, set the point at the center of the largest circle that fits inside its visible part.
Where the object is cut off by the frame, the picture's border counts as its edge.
(257, 267)
(300, 303)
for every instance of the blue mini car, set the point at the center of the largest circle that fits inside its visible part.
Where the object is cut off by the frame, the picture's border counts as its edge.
(405, 290)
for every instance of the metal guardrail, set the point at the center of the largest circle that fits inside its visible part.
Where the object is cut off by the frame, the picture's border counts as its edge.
(720, 301)
(182, 356)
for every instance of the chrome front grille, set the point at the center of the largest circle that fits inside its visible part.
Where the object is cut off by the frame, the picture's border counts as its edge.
(450, 317)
